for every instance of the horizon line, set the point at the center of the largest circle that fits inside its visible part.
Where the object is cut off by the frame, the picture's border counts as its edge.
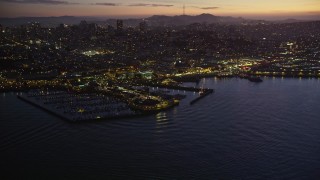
(248, 16)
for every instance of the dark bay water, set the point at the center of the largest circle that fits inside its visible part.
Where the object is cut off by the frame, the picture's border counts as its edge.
(244, 130)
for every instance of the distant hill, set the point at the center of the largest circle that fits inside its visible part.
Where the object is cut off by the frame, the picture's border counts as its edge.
(203, 18)
(156, 20)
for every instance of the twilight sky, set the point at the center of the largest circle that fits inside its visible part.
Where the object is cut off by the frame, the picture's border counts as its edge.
(268, 9)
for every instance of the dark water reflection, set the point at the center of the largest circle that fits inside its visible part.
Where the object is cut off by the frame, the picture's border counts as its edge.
(245, 130)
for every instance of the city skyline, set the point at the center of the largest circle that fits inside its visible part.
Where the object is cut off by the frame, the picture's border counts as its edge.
(307, 9)
(169, 89)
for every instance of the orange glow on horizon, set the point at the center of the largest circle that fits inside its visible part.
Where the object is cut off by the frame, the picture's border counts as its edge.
(237, 8)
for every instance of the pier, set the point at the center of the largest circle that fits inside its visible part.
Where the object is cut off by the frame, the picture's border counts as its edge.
(205, 93)
(193, 89)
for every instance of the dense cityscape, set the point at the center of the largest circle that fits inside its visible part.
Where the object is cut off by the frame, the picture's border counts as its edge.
(124, 61)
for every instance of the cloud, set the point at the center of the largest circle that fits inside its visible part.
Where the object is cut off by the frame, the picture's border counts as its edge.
(64, 2)
(106, 4)
(151, 5)
(206, 8)
(49, 2)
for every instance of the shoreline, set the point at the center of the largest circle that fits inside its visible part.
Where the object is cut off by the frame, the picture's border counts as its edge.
(184, 88)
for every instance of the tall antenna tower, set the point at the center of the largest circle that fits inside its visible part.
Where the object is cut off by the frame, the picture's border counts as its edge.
(184, 9)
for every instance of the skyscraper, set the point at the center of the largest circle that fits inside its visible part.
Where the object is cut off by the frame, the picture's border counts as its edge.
(143, 26)
(119, 25)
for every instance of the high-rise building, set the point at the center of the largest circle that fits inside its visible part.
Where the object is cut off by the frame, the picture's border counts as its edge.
(119, 25)
(143, 26)
(83, 25)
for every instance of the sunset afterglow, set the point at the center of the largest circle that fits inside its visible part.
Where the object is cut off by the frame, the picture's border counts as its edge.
(128, 8)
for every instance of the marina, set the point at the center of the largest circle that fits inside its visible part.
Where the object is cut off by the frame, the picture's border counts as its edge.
(78, 107)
